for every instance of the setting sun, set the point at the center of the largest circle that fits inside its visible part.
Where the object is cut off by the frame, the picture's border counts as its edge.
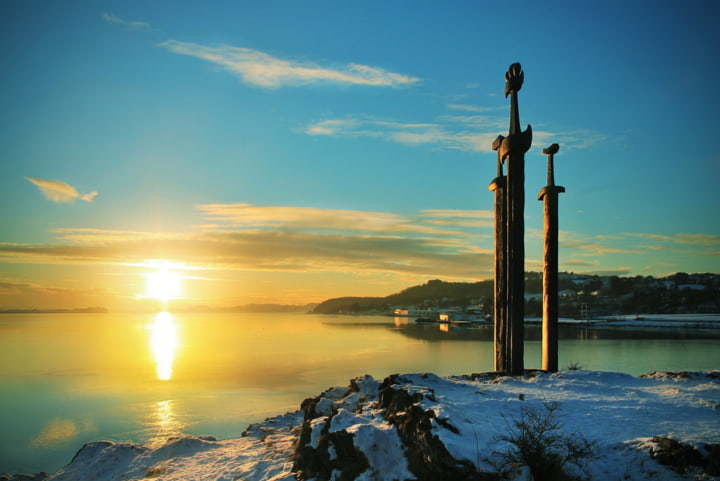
(163, 284)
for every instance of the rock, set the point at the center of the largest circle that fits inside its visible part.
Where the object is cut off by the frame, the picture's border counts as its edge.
(710, 375)
(711, 463)
(683, 457)
(428, 458)
(320, 453)
(377, 431)
(24, 477)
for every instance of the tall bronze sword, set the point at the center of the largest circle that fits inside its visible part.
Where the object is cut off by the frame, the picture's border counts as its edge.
(498, 185)
(549, 196)
(513, 149)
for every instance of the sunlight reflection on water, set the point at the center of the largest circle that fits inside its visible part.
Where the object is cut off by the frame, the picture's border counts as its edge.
(164, 422)
(163, 343)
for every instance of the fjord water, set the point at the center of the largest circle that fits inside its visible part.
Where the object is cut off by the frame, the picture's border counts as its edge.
(68, 379)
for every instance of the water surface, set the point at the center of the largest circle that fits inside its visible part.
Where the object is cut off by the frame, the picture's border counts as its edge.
(68, 379)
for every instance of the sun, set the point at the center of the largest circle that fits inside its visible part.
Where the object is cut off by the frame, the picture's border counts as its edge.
(164, 283)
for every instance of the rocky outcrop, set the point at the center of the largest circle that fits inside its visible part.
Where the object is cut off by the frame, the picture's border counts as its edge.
(427, 456)
(326, 447)
(24, 477)
(710, 375)
(394, 439)
(684, 457)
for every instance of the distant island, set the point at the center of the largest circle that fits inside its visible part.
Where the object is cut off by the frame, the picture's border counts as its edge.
(305, 308)
(77, 310)
(581, 296)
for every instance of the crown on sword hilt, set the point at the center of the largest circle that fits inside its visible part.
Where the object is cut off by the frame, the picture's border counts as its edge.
(514, 79)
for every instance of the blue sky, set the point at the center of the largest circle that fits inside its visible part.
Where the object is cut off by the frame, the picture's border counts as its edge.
(294, 151)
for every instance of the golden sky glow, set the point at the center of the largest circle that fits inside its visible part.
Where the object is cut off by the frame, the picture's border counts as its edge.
(241, 253)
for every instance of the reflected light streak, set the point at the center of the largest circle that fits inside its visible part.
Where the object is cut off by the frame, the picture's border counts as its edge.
(163, 343)
(163, 422)
(166, 423)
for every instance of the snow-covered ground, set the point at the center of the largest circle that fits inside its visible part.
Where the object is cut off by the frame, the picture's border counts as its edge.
(702, 321)
(706, 321)
(387, 430)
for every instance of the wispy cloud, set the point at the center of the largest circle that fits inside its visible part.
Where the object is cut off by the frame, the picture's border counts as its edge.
(474, 108)
(114, 19)
(264, 70)
(447, 243)
(58, 191)
(273, 250)
(654, 251)
(569, 140)
(285, 238)
(683, 239)
(473, 133)
(442, 223)
(430, 134)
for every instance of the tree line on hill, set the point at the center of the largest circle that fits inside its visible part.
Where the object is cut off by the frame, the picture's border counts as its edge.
(580, 295)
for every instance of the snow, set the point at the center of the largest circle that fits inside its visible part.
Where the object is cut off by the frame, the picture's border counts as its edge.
(618, 411)
(705, 321)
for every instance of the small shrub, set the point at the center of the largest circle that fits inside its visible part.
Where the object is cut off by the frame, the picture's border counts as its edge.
(573, 366)
(536, 440)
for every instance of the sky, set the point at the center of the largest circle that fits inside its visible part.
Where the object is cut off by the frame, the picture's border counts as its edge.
(228, 153)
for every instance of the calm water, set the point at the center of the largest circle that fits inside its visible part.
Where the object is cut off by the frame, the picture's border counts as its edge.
(68, 379)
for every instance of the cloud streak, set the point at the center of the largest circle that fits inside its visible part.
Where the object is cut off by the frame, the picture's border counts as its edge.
(441, 223)
(114, 19)
(652, 250)
(61, 192)
(444, 243)
(292, 239)
(474, 133)
(260, 69)
(272, 251)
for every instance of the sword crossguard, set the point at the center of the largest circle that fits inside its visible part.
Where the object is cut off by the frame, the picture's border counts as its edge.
(497, 146)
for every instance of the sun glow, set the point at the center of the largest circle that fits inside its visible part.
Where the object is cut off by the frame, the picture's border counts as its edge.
(164, 283)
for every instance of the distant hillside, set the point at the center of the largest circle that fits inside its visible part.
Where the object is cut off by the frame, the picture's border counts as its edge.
(580, 296)
(77, 310)
(435, 293)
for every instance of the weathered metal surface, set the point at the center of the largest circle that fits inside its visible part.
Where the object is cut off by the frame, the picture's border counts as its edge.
(513, 149)
(510, 233)
(498, 185)
(549, 196)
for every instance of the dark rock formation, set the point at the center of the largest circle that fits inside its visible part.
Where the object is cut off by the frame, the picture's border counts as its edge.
(427, 456)
(322, 451)
(24, 477)
(710, 375)
(683, 457)
(329, 448)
